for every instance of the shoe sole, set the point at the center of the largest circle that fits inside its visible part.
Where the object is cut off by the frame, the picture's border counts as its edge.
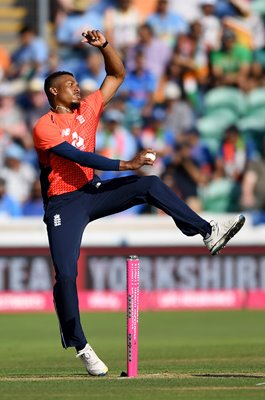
(101, 374)
(231, 233)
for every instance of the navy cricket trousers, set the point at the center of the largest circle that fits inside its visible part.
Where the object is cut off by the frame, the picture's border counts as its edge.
(66, 217)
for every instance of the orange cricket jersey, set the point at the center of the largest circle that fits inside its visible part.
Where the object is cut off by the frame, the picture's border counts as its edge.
(78, 129)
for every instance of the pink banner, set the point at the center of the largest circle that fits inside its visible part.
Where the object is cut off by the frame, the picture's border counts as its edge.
(197, 300)
(156, 300)
(25, 302)
(256, 299)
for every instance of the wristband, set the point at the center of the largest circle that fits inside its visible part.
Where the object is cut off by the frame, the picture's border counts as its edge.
(105, 44)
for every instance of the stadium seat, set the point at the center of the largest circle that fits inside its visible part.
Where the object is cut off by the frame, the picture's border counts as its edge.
(227, 116)
(256, 101)
(255, 122)
(219, 196)
(212, 127)
(258, 6)
(225, 97)
(254, 127)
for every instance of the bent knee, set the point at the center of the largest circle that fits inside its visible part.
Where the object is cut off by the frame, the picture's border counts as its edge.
(153, 180)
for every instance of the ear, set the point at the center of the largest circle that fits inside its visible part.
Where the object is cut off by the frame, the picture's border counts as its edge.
(53, 91)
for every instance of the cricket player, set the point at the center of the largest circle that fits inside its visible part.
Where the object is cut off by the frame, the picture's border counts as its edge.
(73, 195)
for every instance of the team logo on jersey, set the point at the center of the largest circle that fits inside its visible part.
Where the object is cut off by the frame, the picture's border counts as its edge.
(57, 220)
(65, 132)
(81, 119)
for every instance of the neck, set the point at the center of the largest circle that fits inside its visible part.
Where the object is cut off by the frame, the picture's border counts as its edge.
(55, 109)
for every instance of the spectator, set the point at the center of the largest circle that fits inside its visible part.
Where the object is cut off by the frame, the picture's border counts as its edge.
(34, 204)
(234, 155)
(156, 137)
(69, 30)
(166, 24)
(247, 25)
(156, 52)
(9, 207)
(145, 8)
(200, 153)
(132, 118)
(4, 143)
(192, 163)
(12, 119)
(36, 102)
(87, 86)
(186, 175)
(18, 175)
(31, 55)
(140, 85)
(249, 30)
(211, 26)
(189, 10)
(232, 63)
(222, 193)
(191, 56)
(62, 8)
(91, 68)
(179, 115)
(225, 8)
(121, 24)
(173, 74)
(5, 63)
(253, 190)
(114, 141)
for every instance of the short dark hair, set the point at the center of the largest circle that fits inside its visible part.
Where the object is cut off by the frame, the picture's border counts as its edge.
(49, 81)
(148, 27)
(26, 29)
(2, 182)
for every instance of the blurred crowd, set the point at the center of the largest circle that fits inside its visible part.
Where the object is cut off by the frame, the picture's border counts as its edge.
(194, 92)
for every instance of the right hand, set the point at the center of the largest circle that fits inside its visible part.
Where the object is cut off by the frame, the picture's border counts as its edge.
(138, 161)
(94, 37)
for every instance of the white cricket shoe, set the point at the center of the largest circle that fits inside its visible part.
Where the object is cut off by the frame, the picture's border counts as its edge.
(93, 364)
(222, 233)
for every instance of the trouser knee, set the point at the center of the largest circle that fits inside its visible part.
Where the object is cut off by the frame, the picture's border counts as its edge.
(65, 280)
(150, 182)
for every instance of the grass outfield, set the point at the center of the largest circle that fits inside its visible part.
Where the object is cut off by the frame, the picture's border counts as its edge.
(182, 355)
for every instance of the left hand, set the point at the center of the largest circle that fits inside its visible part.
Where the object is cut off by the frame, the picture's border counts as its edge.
(94, 37)
(138, 161)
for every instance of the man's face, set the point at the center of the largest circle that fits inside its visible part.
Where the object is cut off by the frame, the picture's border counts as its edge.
(27, 38)
(162, 6)
(2, 190)
(66, 92)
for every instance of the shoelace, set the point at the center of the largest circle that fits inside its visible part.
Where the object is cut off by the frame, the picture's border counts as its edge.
(87, 357)
(85, 354)
(213, 225)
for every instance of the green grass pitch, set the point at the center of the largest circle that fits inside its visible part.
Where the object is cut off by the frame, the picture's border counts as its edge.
(182, 355)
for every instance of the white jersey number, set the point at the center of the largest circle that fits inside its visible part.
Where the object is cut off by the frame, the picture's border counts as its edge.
(78, 141)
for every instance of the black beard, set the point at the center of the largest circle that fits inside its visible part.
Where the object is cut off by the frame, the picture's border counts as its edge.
(74, 106)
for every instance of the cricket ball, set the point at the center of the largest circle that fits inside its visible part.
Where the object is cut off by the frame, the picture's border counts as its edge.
(151, 156)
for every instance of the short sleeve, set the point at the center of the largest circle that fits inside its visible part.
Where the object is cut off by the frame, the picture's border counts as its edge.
(46, 134)
(94, 102)
(215, 58)
(244, 55)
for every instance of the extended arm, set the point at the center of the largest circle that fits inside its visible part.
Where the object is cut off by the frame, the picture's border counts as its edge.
(93, 160)
(84, 158)
(115, 71)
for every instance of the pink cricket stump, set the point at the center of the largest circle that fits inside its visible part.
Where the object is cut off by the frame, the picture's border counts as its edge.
(132, 315)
